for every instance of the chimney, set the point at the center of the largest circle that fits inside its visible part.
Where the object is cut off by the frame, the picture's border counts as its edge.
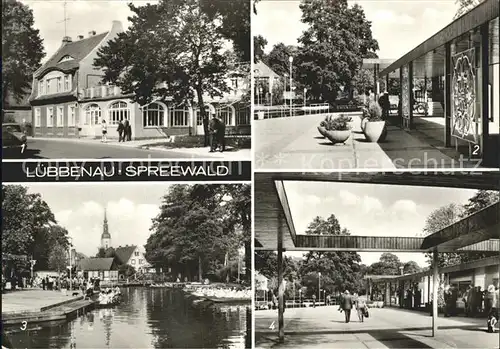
(92, 33)
(80, 37)
(66, 39)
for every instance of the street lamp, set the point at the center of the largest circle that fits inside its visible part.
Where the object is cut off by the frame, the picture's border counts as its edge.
(32, 264)
(69, 250)
(290, 59)
(305, 90)
(319, 287)
(300, 298)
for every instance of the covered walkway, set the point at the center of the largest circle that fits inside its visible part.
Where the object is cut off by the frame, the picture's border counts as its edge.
(455, 76)
(275, 231)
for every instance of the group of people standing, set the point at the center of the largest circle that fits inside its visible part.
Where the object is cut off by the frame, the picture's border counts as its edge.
(124, 131)
(214, 130)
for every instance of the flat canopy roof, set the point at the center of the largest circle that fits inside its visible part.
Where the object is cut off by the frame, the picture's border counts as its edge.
(485, 11)
(485, 262)
(477, 232)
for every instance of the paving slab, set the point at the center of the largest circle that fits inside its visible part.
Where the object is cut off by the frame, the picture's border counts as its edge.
(324, 327)
(33, 300)
(294, 143)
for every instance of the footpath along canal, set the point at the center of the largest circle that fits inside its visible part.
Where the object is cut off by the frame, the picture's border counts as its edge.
(147, 318)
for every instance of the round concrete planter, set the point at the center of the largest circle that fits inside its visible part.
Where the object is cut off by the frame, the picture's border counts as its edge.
(338, 136)
(363, 124)
(356, 123)
(375, 131)
(322, 131)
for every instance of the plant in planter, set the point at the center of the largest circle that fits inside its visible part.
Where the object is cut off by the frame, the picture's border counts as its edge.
(321, 127)
(374, 127)
(338, 129)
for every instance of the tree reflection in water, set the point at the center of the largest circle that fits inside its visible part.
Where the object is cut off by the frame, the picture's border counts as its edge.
(147, 318)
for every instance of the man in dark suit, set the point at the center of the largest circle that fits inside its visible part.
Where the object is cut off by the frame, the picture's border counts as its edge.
(206, 130)
(346, 303)
(214, 127)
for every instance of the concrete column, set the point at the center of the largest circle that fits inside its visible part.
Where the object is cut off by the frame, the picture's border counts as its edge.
(387, 293)
(484, 146)
(435, 286)
(281, 291)
(448, 76)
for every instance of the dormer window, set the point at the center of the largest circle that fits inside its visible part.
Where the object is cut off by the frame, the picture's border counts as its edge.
(66, 58)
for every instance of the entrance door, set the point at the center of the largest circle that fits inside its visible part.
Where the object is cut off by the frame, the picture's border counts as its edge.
(91, 121)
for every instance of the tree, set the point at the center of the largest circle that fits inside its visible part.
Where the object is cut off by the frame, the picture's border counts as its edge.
(195, 231)
(388, 264)
(465, 6)
(28, 225)
(411, 267)
(126, 270)
(58, 258)
(235, 23)
(363, 81)
(278, 59)
(339, 270)
(189, 62)
(259, 44)
(22, 50)
(438, 220)
(332, 48)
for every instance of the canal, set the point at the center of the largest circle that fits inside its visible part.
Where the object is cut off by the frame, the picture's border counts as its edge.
(147, 318)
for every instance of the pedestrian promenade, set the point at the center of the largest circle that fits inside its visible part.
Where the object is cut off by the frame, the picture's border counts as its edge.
(295, 143)
(33, 300)
(324, 327)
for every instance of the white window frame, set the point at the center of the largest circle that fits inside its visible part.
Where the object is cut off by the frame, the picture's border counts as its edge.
(106, 273)
(132, 262)
(176, 119)
(154, 121)
(50, 117)
(67, 83)
(118, 110)
(229, 118)
(48, 83)
(71, 115)
(41, 87)
(93, 114)
(60, 116)
(38, 117)
(59, 84)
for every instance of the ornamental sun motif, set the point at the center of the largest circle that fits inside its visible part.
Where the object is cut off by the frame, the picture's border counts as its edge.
(464, 95)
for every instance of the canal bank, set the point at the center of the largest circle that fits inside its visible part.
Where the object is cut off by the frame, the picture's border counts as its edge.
(146, 318)
(34, 305)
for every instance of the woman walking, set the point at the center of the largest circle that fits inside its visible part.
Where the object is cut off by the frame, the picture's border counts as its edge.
(104, 128)
(362, 308)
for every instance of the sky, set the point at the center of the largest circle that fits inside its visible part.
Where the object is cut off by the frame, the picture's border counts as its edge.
(80, 209)
(84, 16)
(397, 25)
(370, 210)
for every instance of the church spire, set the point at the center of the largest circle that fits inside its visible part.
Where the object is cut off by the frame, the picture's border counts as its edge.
(105, 237)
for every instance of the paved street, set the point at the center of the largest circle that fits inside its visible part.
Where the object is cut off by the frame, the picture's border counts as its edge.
(32, 300)
(324, 327)
(295, 143)
(93, 149)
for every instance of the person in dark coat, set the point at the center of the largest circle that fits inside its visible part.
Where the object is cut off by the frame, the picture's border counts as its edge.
(214, 127)
(43, 284)
(206, 129)
(127, 131)
(121, 131)
(346, 303)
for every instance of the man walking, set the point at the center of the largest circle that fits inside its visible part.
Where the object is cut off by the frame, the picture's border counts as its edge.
(346, 303)
(121, 130)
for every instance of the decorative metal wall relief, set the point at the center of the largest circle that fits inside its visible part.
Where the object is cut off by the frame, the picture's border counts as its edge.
(463, 96)
(405, 92)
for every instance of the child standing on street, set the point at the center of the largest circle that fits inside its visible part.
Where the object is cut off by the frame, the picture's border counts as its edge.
(104, 128)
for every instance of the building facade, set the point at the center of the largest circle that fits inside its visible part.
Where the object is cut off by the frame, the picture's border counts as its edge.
(68, 99)
(106, 269)
(134, 256)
